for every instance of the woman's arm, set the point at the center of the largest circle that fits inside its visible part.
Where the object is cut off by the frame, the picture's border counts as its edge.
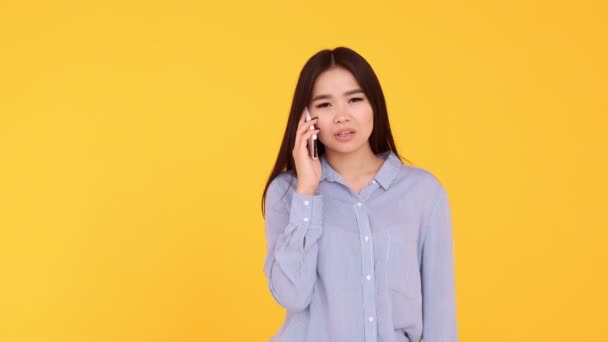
(292, 230)
(438, 287)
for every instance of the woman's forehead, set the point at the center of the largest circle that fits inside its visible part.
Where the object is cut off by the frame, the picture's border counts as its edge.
(335, 81)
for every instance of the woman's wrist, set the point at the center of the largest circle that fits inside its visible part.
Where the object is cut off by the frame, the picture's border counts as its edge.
(307, 191)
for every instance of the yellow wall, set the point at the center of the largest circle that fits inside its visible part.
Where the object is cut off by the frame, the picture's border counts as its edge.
(135, 140)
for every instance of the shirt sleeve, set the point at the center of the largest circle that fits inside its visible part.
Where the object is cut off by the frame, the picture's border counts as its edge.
(292, 230)
(438, 286)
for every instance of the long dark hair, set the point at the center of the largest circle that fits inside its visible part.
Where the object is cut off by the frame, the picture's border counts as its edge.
(381, 138)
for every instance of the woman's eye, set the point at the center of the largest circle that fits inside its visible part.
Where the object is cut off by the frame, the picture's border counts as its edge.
(320, 105)
(357, 99)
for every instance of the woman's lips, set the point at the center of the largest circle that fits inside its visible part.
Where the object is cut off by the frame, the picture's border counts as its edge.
(346, 136)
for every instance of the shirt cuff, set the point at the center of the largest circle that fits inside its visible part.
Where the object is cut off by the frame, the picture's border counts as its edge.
(306, 210)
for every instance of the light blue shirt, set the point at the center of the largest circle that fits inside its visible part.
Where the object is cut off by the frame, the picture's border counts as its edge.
(377, 266)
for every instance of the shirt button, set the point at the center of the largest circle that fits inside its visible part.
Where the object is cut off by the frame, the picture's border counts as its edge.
(371, 319)
(306, 202)
(368, 277)
(358, 204)
(374, 181)
(306, 219)
(366, 238)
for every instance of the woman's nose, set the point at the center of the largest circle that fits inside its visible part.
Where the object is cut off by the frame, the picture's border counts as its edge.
(342, 114)
(341, 119)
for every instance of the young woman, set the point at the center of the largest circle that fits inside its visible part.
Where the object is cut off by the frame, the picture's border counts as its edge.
(359, 244)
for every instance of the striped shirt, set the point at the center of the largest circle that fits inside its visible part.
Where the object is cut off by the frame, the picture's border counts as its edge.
(377, 266)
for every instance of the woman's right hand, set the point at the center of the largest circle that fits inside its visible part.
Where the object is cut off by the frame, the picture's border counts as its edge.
(307, 169)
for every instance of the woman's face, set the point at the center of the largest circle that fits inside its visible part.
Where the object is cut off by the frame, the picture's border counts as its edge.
(345, 115)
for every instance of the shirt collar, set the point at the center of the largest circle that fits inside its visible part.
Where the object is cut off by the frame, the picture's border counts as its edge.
(385, 176)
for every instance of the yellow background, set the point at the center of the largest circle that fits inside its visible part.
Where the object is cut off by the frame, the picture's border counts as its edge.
(136, 138)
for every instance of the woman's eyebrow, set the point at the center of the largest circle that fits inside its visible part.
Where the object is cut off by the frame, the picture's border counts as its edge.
(325, 96)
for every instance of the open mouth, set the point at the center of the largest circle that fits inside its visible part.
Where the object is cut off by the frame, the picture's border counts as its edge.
(345, 136)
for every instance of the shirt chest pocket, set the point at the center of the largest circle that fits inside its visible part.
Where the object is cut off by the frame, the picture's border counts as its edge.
(402, 273)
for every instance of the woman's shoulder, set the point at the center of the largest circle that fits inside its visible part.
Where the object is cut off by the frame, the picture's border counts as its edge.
(281, 187)
(422, 186)
(420, 177)
(283, 181)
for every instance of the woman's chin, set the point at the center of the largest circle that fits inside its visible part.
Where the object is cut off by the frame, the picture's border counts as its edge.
(343, 149)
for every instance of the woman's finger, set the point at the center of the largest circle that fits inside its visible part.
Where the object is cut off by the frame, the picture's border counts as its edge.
(304, 130)
(306, 126)
(304, 139)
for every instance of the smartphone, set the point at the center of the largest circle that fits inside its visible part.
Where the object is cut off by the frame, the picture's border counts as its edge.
(312, 141)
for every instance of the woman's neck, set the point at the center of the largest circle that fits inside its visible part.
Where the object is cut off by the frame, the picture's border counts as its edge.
(356, 164)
